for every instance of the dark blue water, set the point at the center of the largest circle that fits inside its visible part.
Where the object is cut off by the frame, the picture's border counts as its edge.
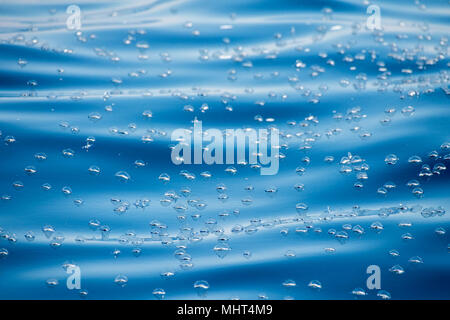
(70, 101)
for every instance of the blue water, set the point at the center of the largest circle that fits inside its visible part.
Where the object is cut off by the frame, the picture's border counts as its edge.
(349, 92)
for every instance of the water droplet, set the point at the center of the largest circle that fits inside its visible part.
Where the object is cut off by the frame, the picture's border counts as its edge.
(121, 280)
(358, 229)
(415, 260)
(415, 159)
(394, 253)
(3, 253)
(262, 296)
(68, 153)
(29, 236)
(201, 286)
(384, 295)
(330, 250)
(408, 111)
(94, 116)
(46, 186)
(290, 254)
(9, 140)
(413, 183)
(289, 283)
(301, 208)
(40, 156)
(94, 170)
(147, 114)
(67, 191)
(315, 284)
(341, 235)
(30, 170)
(300, 171)
(390, 185)
(159, 293)
(359, 292)
(405, 224)
(231, 170)
(206, 174)
(123, 176)
(407, 236)
(48, 231)
(83, 293)
(52, 283)
(397, 269)
(391, 159)
(247, 201)
(222, 250)
(167, 275)
(164, 177)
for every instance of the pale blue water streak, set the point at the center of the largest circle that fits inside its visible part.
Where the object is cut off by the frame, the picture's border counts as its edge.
(52, 80)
